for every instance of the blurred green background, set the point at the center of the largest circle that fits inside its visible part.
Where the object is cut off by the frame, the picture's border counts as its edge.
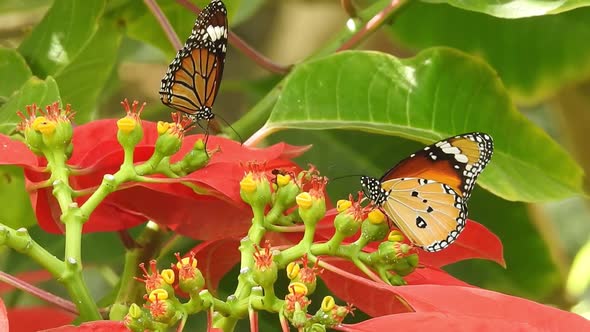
(544, 62)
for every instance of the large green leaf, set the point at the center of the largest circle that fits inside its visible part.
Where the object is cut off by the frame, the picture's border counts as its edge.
(13, 70)
(34, 91)
(531, 272)
(62, 33)
(83, 79)
(437, 94)
(516, 8)
(534, 56)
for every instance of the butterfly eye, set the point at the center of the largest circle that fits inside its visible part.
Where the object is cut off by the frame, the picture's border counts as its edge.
(193, 77)
(426, 194)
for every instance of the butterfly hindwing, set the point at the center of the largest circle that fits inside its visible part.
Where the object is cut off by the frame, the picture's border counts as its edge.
(431, 214)
(192, 80)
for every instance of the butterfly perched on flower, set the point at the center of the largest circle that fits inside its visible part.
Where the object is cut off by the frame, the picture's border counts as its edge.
(426, 194)
(193, 78)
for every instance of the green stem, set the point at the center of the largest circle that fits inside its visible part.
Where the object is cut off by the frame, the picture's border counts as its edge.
(130, 290)
(73, 220)
(21, 241)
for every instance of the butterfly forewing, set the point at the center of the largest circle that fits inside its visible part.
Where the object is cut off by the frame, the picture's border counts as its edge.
(192, 80)
(431, 214)
(455, 161)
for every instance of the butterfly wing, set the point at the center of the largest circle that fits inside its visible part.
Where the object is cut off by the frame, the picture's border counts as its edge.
(192, 80)
(455, 161)
(425, 194)
(431, 214)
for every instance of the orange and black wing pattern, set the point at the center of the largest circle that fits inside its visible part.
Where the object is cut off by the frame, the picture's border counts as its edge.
(456, 161)
(426, 194)
(192, 80)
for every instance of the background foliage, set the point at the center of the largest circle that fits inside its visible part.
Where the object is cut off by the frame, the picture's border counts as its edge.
(445, 67)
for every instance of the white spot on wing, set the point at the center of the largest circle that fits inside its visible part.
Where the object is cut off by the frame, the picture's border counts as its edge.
(461, 158)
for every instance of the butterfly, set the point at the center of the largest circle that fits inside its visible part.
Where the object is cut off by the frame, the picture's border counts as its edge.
(426, 194)
(193, 78)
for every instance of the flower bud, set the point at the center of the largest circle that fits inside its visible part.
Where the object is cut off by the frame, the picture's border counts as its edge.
(190, 278)
(293, 270)
(265, 272)
(343, 205)
(255, 188)
(286, 193)
(395, 236)
(374, 231)
(52, 130)
(130, 129)
(346, 224)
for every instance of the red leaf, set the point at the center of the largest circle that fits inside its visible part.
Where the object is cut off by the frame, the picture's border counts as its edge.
(216, 258)
(3, 316)
(434, 321)
(374, 298)
(429, 275)
(485, 304)
(172, 203)
(37, 318)
(15, 153)
(476, 241)
(96, 326)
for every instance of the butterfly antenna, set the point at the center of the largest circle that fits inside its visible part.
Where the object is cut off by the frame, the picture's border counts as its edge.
(347, 176)
(232, 128)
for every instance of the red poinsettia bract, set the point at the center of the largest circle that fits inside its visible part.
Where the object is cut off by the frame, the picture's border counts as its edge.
(219, 213)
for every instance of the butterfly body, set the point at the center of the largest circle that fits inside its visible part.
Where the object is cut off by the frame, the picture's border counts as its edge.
(426, 194)
(193, 77)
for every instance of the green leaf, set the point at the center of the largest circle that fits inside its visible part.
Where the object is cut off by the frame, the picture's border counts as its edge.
(437, 94)
(62, 33)
(516, 8)
(14, 67)
(83, 79)
(535, 57)
(344, 155)
(14, 195)
(34, 91)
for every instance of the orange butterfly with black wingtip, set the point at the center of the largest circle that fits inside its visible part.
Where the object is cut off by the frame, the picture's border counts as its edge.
(193, 78)
(426, 194)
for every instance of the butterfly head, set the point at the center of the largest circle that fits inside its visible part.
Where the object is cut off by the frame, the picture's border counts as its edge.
(372, 187)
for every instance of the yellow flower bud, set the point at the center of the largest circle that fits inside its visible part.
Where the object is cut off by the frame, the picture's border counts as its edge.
(343, 205)
(168, 276)
(126, 124)
(395, 236)
(293, 270)
(158, 294)
(304, 200)
(283, 180)
(44, 126)
(328, 303)
(135, 311)
(248, 184)
(376, 217)
(162, 127)
(298, 288)
(185, 261)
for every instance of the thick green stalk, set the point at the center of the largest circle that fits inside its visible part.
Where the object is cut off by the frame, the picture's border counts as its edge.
(73, 221)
